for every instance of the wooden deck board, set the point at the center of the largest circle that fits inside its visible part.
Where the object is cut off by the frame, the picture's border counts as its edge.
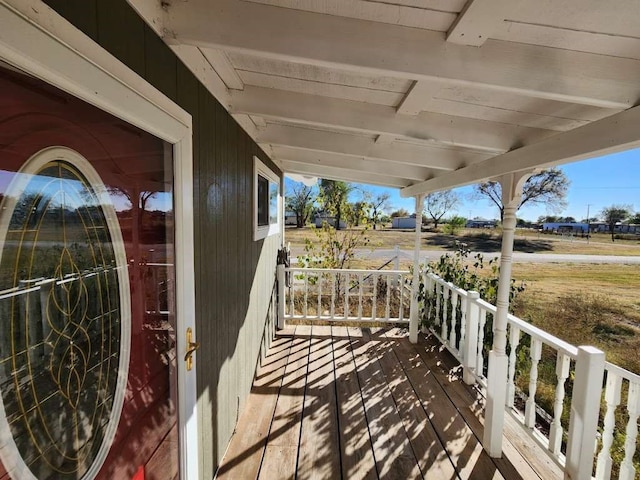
(244, 455)
(281, 454)
(319, 455)
(356, 450)
(391, 447)
(343, 402)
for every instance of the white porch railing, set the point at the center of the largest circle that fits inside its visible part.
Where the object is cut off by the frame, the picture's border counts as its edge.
(346, 295)
(462, 322)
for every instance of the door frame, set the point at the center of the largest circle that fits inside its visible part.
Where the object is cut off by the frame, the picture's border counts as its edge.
(38, 41)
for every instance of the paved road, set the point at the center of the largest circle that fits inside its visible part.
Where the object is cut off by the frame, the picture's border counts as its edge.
(518, 257)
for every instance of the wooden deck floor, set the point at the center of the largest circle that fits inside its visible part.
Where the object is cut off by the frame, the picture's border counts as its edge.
(351, 403)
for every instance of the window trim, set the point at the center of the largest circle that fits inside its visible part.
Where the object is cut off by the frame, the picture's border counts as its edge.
(264, 231)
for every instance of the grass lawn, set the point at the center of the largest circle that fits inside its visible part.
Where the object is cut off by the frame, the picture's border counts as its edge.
(486, 241)
(585, 305)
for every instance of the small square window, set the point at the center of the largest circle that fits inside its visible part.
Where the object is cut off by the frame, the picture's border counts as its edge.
(266, 201)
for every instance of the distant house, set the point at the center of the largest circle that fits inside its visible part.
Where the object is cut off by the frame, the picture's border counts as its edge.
(481, 223)
(565, 227)
(290, 218)
(321, 218)
(403, 222)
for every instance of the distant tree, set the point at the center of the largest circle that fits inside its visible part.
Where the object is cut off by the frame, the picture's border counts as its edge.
(300, 201)
(549, 187)
(635, 220)
(378, 204)
(333, 197)
(454, 224)
(357, 212)
(614, 214)
(437, 204)
(399, 213)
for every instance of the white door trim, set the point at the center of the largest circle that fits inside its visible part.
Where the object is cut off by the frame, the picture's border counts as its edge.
(38, 41)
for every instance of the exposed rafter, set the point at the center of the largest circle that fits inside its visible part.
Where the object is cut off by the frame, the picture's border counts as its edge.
(425, 155)
(612, 134)
(374, 119)
(302, 36)
(331, 159)
(417, 98)
(344, 174)
(480, 20)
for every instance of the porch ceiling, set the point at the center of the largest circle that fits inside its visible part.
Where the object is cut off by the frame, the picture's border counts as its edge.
(416, 94)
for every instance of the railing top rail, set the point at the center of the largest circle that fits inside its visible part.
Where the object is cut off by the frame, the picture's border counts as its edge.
(347, 270)
(621, 372)
(449, 285)
(486, 305)
(546, 337)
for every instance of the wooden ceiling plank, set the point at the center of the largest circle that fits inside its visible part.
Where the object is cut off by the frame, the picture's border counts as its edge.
(427, 155)
(342, 174)
(376, 119)
(351, 162)
(529, 70)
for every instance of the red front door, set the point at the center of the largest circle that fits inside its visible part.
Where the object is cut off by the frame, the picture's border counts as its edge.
(87, 325)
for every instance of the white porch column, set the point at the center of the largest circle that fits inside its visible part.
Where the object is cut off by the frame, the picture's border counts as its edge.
(414, 319)
(498, 360)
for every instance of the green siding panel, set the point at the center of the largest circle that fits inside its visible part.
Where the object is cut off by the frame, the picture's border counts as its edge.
(83, 14)
(234, 275)
(121, 32)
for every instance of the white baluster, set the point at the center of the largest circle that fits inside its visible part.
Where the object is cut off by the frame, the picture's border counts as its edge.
(454, 317)
(480, 355)
(332, 312)
(445, 302)
(387, 312)
(346, 295)
(563, 361)
(627, 470)
(319, 309)
(292, 292)
(438, 288)
(306, 295)
(514, 341)
(464, 303)
(360, 294)
(374, 301)
(401, 298)
(612, 398)
(530, 407)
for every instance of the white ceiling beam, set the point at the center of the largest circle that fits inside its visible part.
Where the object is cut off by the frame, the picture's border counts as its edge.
(342, 174)
(417, 98)
(616, 133)
(331, 159)
(375, 119)
(427, 155)
(479, 20)
(152, 12)
(223, 67)
(384, 139)
(417, 54)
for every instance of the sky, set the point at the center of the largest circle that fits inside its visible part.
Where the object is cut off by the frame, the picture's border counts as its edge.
(594, 184)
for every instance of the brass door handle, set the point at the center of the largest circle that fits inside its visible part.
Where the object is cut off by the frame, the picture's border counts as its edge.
(191, 348)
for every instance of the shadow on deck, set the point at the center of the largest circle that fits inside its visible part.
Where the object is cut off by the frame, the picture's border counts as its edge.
(355, 403)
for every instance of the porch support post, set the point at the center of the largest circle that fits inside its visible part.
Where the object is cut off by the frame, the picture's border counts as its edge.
(414, 318)
(498, 361)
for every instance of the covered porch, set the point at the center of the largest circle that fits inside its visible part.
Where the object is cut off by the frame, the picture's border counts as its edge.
(360, 402)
